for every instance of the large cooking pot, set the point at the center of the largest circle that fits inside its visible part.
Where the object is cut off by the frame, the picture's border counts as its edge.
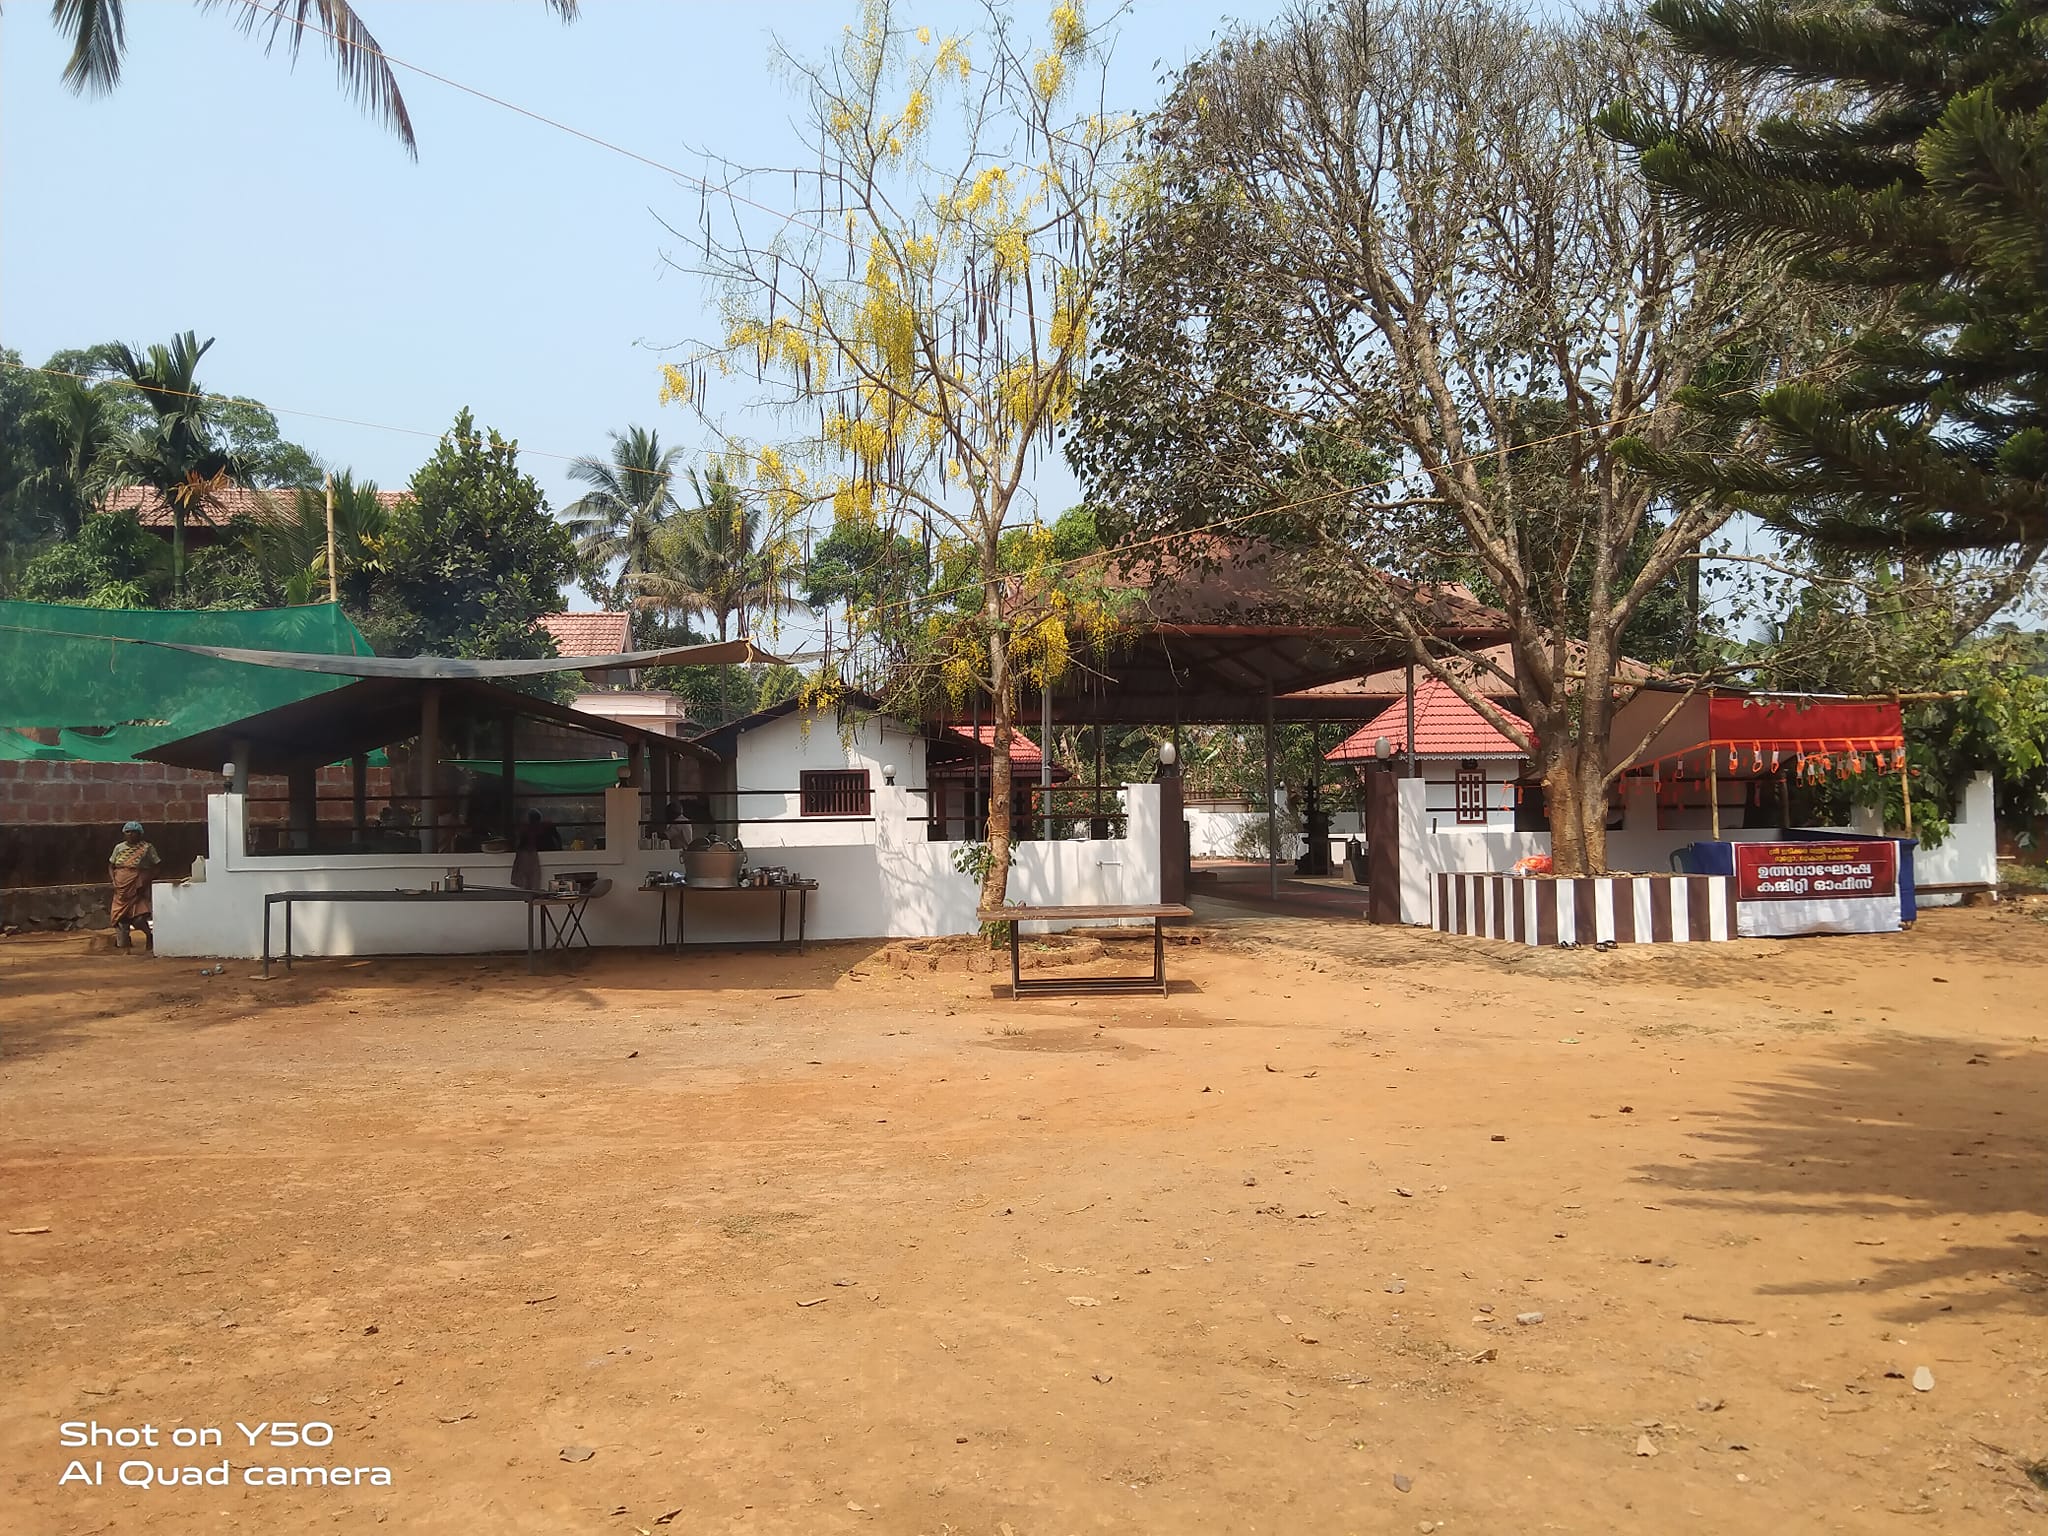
(712, 866)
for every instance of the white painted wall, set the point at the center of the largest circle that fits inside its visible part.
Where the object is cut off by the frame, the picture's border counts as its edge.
(888, 883)
(1213, 834)
(771, 759)
(1969, 854)
(1440, 775)
(1450, 850)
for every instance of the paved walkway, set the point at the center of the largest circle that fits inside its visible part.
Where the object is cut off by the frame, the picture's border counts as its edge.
(1248, 886)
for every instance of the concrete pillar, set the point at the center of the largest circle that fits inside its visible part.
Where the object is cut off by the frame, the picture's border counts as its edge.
(302, 809)
(1383, 842)
(1173, 834)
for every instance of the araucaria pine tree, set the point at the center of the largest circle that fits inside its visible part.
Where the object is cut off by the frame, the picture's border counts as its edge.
(1909, 175)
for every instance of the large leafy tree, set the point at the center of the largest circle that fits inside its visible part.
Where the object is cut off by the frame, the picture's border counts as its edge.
(1385, 300)
(617, 521)
(114, 562)
(174, 450)
(246, 429)
(1920, 195)
(1976, 697)
(924, 319)
(471, 562)
(98, 31)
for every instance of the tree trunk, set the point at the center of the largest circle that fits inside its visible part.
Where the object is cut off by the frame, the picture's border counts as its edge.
(995, 884)
(1576, 797)
(177, 552)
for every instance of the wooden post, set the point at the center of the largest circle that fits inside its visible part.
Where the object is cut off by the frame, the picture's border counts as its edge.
(429, 763)
(1272, 809)
(506, 769)
(1906, 789)
(1714, 788)
(359, 774)
(1408, 745)
(1044, 761)
(333, 595)
(1096, 831)
(658, 794)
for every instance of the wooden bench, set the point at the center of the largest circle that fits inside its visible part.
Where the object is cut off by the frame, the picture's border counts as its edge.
(1016, 917)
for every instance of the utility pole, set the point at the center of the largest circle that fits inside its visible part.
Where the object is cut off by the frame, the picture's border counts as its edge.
(327, 483)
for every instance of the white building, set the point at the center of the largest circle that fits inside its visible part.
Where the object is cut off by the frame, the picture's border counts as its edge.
(1470, 772)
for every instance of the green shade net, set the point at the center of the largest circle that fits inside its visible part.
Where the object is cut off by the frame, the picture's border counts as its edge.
(545, 775)
(81, 672)
(557, 776)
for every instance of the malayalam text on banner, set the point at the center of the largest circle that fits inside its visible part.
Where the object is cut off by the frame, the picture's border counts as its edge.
(1815, 871)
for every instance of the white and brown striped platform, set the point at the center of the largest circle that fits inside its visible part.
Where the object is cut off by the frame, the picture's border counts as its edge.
(1618, 909)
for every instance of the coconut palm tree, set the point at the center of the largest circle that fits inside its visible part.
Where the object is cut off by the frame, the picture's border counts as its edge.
(173, 451)
(618, 520)
(722, 557)
(78, 427)
(98, 33)
(289, 544)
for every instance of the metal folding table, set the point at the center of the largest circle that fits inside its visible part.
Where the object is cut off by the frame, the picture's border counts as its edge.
(1041, 986)
(567, 908)
(683, 893)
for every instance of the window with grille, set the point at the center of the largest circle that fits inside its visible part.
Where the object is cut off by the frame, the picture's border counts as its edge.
(835, 792)
(1471, 794)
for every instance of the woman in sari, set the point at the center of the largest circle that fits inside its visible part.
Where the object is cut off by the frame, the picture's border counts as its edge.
(132, 868)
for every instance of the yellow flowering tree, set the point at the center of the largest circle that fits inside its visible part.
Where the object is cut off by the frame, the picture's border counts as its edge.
(919, 315)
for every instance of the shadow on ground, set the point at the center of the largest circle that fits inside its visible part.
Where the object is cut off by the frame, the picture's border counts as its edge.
(58, 989)
(1945, 1131)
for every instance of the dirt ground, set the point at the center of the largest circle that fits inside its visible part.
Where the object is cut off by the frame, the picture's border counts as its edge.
(817, 1245)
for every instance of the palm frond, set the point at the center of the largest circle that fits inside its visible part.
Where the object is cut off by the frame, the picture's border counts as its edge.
(98, 33)
(365, 74)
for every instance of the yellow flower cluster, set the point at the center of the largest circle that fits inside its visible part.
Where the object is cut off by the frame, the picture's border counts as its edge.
(778, 342)
(1049, 74)
(675, 385)
(1069, 34)
(952, 56)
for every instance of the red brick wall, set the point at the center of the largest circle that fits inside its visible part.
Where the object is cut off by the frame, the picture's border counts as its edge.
(58, 819)
(92, 794)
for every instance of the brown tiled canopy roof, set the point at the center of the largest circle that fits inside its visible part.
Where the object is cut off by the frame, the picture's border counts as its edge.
(220, 506)
(589, 634)
(1391, 682)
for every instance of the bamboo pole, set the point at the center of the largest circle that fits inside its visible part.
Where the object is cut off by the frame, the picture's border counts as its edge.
(1714, 788)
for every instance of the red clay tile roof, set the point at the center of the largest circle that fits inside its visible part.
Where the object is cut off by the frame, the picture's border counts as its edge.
(589, 634)
(152, 511)
(1023, 750)
(1445, 726)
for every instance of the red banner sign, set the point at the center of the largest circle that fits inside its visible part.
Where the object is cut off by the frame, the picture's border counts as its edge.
(1815, 871)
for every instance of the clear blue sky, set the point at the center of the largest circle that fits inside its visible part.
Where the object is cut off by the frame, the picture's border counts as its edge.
(514, 269)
